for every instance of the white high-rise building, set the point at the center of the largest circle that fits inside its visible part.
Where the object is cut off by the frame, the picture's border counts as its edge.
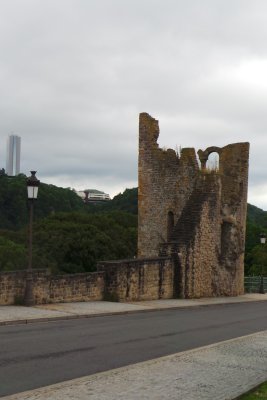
(13, 155)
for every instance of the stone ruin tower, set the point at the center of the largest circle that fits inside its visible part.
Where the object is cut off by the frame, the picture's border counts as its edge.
(194, 215)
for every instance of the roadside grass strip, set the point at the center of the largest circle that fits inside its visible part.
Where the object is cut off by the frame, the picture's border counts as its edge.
(260, 393)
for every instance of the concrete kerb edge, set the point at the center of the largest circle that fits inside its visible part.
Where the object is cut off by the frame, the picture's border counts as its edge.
(110, 313)
(57, 386)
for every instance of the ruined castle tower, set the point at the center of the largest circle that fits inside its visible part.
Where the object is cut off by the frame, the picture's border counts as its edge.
(195, 215)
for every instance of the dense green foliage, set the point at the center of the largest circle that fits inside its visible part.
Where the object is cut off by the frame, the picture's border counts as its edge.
(73, 242)
(256, 253)
(257, 216)
(13, 256)
(68, 235)
(126, 201)
(13, 201)
(71, 236)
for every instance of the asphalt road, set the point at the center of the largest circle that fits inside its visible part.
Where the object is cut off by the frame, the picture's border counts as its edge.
(41, 354)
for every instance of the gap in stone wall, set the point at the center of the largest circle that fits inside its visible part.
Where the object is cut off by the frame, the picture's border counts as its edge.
(198, 161)
(213, 162)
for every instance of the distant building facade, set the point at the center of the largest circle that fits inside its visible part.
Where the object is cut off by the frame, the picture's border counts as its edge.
(93, 196)
(13, 155)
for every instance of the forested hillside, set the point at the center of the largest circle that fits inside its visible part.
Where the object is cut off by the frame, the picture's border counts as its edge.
(51, 199)
(257, 216)
(70, 236)
(71, 242)
(256, 253)
(126, 201)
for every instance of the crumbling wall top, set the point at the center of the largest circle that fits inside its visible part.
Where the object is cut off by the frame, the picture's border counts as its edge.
(148, 128)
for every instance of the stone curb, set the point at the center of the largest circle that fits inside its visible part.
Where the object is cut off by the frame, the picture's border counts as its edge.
(105, 314)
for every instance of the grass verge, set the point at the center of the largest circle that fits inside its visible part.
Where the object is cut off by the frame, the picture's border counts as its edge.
(260, 393)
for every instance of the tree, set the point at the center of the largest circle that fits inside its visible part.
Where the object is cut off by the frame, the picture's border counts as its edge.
(13, 256)
(259, 260)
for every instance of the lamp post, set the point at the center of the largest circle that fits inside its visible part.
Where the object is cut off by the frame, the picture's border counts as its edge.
(32, 187)
(263, 241)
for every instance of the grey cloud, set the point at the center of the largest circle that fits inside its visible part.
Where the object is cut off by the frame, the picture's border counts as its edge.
(75, 74)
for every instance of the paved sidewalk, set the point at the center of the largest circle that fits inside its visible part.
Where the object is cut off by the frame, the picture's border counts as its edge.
(218, 372)
(48, 312)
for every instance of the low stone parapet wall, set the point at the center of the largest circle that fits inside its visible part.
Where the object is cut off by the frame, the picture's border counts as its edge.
(77, 287)
(127, 280)
(138, 279)
(49, 288)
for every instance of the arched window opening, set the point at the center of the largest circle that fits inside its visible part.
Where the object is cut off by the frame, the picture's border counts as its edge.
(213, 162)
(170, 225)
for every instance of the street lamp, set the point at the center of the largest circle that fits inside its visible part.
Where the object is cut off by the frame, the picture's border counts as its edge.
(263, 241)
(32, 187)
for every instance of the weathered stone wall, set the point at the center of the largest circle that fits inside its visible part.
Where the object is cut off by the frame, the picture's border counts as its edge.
(49, 288)
(234, 177)
(12, 285)
(115, 280)
(77, 287)
(139, 279)
(165, 184)
(197, 235)
(207, 210)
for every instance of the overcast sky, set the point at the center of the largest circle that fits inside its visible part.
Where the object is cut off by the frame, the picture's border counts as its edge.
(75, 74)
